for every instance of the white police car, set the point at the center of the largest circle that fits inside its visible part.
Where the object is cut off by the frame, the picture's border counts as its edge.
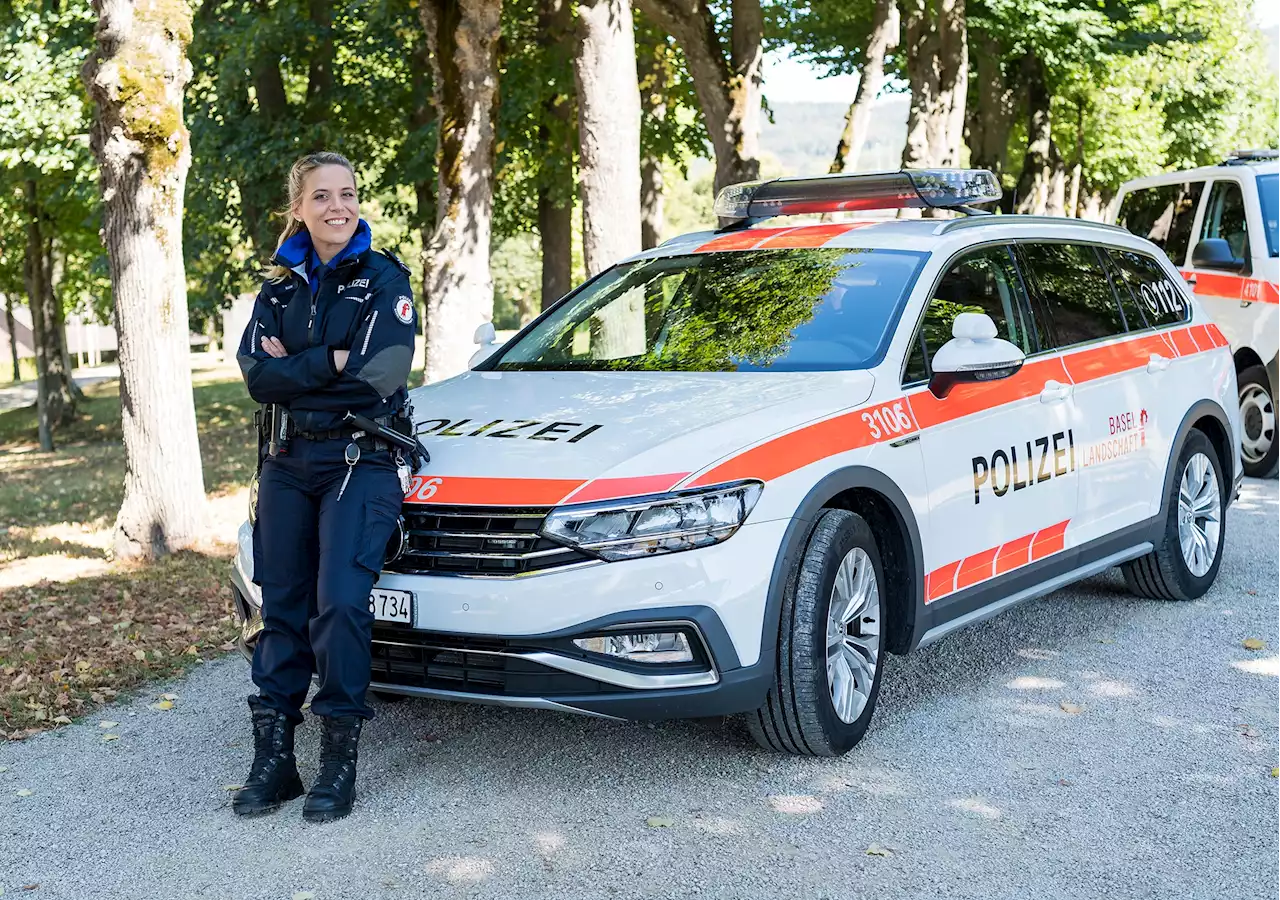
(729, 474)
(1218, 224)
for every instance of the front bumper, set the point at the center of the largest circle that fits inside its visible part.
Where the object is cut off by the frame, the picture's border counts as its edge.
(518, 649)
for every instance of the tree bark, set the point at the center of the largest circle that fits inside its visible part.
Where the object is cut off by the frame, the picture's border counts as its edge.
(992, 107)
(886, 25)
(1032, 195)
(320, 70)
(136, 74)
(555, 190)
(463, 36)
(54, 403)
(609, 160)
(12, 325)
(59, 335)
(729, 91)
(652, 75)
(938, 70)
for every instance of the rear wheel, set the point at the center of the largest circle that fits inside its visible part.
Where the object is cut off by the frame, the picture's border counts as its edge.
(830, 644)
(1259, 447)
(1186, 561)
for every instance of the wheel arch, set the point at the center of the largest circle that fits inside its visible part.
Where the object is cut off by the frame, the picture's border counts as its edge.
(1246, 357)
(875, 497)
(1207, 417)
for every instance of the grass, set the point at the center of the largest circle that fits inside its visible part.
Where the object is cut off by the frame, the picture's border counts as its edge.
(76, 626)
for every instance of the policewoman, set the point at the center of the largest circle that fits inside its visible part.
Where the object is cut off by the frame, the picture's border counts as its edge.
(332, 333)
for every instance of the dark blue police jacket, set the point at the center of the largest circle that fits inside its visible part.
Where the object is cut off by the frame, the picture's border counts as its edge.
(361, 302)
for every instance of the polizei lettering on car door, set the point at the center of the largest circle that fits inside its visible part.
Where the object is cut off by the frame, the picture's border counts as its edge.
(569, 432)
(1019, 467)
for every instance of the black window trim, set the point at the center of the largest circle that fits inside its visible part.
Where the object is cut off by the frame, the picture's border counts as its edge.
(1024, 302)
(1137, 301)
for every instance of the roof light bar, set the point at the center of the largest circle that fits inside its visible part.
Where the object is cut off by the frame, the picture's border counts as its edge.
(912, 188)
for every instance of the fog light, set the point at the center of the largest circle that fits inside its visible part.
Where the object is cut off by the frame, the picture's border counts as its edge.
(662, 647)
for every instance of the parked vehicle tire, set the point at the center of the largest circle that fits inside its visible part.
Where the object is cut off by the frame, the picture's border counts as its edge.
(1259, 447)
(830, 644)
(1185, 562)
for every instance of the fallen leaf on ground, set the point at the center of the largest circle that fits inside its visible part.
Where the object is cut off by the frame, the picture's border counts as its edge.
(1252, 593)
(25, 792)
(232, 787)
(1254, 644)
(62, 720)
(163, 704)
(140, 654)
(1073, 708)
(4, 768)
(305, 895)
(192, 650)
(229, 645)
(108, 724)
(169, 697)
(659, 822)
(83, 666)
(879, 850)
(110, 737)
(93, 620)
(1275, 771)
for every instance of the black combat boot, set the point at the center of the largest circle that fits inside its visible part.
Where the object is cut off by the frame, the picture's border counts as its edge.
(273, 778)
(331, 796)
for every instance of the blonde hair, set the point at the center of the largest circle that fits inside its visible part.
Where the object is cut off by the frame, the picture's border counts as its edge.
(298, 172)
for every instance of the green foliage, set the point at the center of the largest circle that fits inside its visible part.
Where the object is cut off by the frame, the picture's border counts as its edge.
(44, 123)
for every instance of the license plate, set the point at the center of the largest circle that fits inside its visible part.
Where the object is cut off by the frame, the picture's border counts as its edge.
(391, 606)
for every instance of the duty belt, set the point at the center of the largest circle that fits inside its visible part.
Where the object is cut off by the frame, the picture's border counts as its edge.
(365, 442)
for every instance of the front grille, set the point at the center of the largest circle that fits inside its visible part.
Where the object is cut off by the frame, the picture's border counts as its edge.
(454, 540)
(452, 663)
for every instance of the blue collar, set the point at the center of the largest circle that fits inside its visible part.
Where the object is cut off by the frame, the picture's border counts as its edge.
(298, 250)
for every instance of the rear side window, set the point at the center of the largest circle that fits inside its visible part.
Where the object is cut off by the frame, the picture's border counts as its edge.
(980, 282)
(1071, 294)
(1163, 215)
(1161, 301)
(1224, 218)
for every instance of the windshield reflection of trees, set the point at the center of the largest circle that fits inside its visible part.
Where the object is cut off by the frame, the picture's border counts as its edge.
(710, 314)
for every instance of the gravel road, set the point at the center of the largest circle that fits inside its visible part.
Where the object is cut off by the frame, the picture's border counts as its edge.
(974, 780)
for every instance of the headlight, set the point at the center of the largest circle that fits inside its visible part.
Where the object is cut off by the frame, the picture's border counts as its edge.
(663, 524)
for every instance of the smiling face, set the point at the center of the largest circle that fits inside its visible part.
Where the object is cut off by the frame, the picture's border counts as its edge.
(329, 208)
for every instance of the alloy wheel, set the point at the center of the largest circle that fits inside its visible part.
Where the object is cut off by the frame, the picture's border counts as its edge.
(853, 635)
(1199, 515)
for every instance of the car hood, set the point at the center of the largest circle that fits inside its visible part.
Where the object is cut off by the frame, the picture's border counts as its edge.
(537, 438)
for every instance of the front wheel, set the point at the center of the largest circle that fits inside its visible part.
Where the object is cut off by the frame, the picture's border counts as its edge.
(1185, 562)
(1258, 448)
(830, 644)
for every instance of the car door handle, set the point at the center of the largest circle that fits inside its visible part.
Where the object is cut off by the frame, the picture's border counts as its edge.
(1055, 391)
(1191, 281)
(1157, 363)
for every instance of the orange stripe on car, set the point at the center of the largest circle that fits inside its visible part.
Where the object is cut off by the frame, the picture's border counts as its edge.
(809, 235)
(612, 488)
(740, 240)
(458, 490)
(987, 564)
(1213, 285)
(976, 397)
(1113, 359)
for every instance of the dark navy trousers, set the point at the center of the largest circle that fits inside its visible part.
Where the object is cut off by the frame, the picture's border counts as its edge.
(316, 558)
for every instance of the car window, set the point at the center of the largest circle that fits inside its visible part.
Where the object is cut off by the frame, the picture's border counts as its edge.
(1072, 296)
(1158, 298)
(1224, 218)
(1268, 186)
(985, 282)
(786, 310)
(1163, 215)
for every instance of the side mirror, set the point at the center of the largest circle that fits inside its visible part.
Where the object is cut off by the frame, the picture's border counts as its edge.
(973, 354)
(1215, 253)
(487, 337)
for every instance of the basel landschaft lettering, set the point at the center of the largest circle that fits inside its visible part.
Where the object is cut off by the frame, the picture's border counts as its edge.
(1052, 457)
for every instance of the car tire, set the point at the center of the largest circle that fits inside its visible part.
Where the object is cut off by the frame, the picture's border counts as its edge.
(800, 714)
(1173, 570)
(1260, 450)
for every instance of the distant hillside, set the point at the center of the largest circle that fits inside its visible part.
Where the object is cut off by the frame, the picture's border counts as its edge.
(802, 137)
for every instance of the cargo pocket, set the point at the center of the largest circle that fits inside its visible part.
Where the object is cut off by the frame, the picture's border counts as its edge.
(379, 516)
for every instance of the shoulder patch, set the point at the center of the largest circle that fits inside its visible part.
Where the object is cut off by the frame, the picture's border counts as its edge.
(395, 259)
(404, 309)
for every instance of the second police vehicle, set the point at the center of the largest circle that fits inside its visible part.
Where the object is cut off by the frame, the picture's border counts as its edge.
(730, 474)
(1218, 224)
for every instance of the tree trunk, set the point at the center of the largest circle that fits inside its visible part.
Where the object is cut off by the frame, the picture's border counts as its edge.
(1032, 195)
(555, 189)
(463, 36)
(51, 400)
(992, 107)
(320, 70)
(12, 325)
(652, 75)
(609, 159)
(424, 190)
(729, 91)
(938, 71)
(886, 25)
(136, 76)
(59, 336)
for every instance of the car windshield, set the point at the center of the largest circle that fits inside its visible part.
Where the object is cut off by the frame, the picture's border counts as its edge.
(791, 310)
(1268, 187)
